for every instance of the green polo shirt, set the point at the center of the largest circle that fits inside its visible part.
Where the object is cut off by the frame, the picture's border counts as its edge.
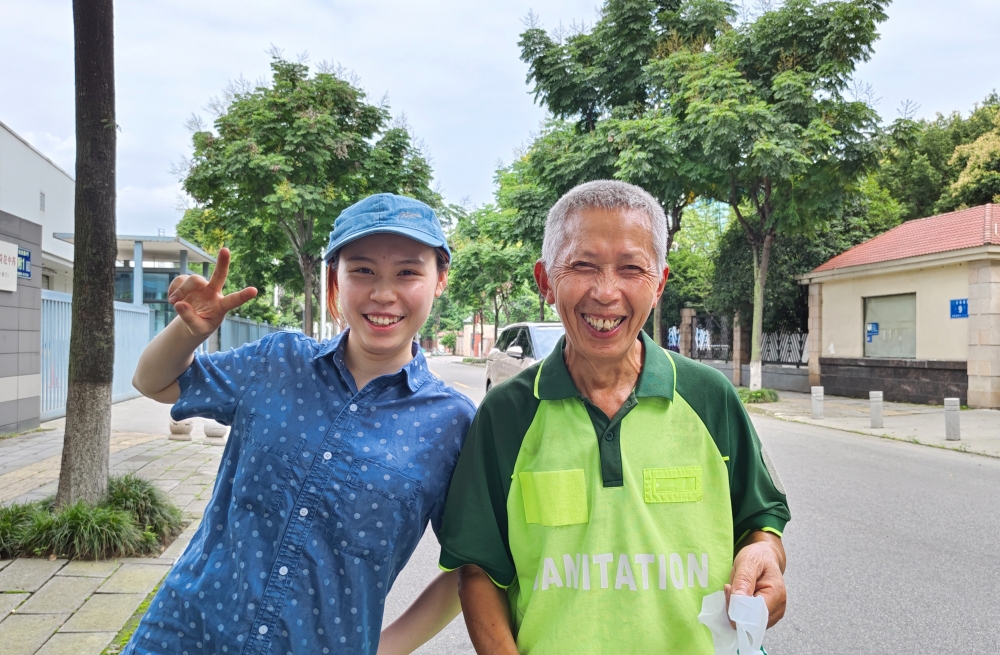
(607, 532)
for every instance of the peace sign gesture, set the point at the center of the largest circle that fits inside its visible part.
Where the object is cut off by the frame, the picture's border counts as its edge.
(200, 303)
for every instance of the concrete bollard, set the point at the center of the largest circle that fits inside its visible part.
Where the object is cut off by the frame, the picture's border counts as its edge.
(875, 403)
(952, 422)
(215, 430)
(817, 402)
(181, 430)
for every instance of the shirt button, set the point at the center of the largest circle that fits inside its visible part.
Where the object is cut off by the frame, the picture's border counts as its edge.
(327, 455)
(609, 436)
(262, 630)
(354, 407)
(283, 570)
(303, 511)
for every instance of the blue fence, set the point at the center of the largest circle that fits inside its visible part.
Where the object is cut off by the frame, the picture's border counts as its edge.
(131, 337)
(236, 331)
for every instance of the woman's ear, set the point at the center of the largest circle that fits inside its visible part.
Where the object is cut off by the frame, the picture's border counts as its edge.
(442, 282)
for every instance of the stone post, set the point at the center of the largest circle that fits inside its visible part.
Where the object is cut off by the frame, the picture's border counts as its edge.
(815, 332)
(952, 428)
(984, 334)
(687, 331)
(875, 405)
(817, 402)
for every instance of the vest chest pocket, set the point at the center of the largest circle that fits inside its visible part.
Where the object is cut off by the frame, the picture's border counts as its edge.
(554, 498)
(681, 484)
(375, 504)
(267, 467)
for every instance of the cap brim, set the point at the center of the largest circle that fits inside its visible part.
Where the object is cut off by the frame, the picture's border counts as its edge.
(416, 235)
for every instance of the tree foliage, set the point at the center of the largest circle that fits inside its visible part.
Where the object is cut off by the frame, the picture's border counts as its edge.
(287, 157)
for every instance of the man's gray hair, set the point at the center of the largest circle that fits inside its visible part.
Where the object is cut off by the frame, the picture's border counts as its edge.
(603, 194)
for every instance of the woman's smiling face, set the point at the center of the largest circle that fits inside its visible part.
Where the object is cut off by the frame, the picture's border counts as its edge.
(387, 284)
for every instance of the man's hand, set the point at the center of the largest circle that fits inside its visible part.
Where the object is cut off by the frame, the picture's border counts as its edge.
(200, 303)
(758, 570)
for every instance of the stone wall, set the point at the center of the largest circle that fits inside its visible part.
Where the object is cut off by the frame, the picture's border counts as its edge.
(20, 332)
(900, 380)
(773, 376)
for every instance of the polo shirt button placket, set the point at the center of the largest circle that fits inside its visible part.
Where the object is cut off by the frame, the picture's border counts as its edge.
(609, 436)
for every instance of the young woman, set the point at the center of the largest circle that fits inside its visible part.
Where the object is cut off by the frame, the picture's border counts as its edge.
(339, 454)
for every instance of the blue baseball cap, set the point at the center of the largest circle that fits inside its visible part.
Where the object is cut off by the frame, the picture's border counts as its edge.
(387, 213)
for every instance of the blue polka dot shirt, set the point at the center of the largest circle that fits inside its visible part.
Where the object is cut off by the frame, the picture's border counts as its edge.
(323, 492)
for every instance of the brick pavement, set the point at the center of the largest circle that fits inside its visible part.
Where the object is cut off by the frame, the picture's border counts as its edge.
(52, 607)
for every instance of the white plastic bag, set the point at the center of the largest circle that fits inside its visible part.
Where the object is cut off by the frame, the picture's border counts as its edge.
(749, 613)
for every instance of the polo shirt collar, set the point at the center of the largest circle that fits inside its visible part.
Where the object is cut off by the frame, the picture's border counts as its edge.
(416, 370)
(657, 378)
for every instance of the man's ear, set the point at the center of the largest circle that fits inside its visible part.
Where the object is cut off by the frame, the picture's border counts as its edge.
(544, 286)
(662, 285)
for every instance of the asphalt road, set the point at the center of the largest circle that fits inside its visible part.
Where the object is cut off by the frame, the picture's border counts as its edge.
(893, 547)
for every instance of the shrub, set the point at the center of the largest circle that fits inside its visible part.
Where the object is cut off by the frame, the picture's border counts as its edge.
(152, 508)
(83, 531)
(758, 396)
(13, 519)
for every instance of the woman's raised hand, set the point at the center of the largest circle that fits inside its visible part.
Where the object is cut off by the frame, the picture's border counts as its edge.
(200, 302)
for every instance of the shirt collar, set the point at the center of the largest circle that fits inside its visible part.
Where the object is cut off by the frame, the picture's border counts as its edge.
(657, 379)
(416, 370)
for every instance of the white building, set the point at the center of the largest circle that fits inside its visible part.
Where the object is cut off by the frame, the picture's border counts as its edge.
(33, 188)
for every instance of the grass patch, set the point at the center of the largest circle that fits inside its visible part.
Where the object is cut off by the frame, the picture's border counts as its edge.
(758, 396)
(473, 360)
(118, 643)
(134, 520)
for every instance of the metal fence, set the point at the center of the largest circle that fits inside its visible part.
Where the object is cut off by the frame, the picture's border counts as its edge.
(236, 331)
(131, 337)
(785, 348)
(712, 338)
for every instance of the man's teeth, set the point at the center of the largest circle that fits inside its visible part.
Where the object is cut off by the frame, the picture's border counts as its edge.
(603, 324)
(384, 320)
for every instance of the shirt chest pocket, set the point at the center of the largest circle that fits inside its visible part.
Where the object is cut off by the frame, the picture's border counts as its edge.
(269, 470)
(375, 504)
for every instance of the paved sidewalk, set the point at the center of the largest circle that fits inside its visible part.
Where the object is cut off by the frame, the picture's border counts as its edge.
(921, 424)
(54, 607)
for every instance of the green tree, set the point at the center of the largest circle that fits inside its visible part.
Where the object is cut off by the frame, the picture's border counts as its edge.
(979, 180)
(867, 213)
(612, 122)
(767, 105)
(919, 166)
(286, 158)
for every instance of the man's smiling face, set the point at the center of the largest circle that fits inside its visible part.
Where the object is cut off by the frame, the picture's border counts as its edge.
(604, 282)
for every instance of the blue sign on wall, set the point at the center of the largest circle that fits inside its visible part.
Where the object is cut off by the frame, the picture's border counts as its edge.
(960, 308)
(23, 263)
(871, 330)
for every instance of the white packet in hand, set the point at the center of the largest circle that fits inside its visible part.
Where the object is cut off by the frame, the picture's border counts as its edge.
(749, 613)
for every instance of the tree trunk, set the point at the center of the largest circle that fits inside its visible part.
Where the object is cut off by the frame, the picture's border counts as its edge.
(760, 262)
(541, 307)
(496, 318)
(658, 322)
(306, 266)
(86, 446)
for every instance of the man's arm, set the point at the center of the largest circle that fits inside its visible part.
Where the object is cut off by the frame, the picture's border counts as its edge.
(487, 615)
(758, 570)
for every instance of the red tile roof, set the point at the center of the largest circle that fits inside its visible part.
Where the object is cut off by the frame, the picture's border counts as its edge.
(967, 228)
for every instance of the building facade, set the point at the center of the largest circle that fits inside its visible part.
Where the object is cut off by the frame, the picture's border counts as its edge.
(914, 312)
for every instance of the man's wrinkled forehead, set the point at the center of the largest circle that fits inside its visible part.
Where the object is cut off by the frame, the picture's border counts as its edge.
(597, 231)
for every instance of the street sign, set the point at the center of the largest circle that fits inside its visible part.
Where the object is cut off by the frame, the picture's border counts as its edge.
(871, 330)
(24, 263)
(8, 266)
(960, 308)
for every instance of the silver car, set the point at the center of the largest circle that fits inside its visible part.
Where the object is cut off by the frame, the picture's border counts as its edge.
(519, 346)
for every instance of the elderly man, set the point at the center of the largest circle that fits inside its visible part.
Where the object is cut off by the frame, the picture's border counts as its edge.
(604, 491)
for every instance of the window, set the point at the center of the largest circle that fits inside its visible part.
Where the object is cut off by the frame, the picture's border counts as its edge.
(41, 201)
(505, 338)
(890, 328)
(524, 341)
(545, 338)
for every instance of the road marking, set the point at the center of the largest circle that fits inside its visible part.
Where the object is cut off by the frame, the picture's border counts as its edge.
(462, 385)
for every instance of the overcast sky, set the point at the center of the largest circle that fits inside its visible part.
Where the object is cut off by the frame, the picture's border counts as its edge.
(450, 66)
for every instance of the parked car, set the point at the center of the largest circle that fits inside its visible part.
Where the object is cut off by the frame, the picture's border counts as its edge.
(519, 346)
